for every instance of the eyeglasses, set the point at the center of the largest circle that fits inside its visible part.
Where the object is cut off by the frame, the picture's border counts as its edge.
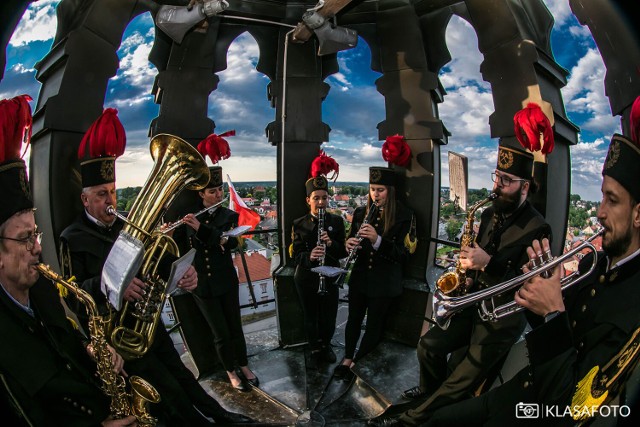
(29, 241)
(505, 181)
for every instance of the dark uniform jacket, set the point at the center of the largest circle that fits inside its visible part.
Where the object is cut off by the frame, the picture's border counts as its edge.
(378, 273)
(44, 368)
(84, 248)
(601, 314)
(508, 244)
(214, 264)
(305, 238)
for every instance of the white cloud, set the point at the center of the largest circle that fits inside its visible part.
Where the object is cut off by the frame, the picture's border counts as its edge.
(560, 10)
(135, 68)
(37, 24)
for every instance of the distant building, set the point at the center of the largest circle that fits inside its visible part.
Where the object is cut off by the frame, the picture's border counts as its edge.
(259, 268)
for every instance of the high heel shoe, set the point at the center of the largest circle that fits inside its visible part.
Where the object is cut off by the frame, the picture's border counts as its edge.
(242, 386)
(253, 381)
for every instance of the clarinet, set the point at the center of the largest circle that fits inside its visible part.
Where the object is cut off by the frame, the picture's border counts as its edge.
(322, 285)
(353, 254)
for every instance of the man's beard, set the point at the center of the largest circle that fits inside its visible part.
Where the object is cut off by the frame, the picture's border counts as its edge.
(618, 246)
(506, 203)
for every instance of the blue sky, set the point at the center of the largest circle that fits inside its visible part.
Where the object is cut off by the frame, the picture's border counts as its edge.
(352, 109)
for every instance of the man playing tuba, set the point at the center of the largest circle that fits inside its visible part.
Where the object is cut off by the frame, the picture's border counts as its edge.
(85, 245)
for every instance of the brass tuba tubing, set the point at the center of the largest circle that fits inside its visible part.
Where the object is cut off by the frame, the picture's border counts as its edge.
(445, 307)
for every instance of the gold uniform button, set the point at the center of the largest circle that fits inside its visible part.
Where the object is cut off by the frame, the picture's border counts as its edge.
(370, 267)
(89, 411)
(581, 344)
(526, 384)
(208, 274)
(206, 259)
(593, 292)
(602, 279)
(83, 409)
(68, 366)
(573, 324)
(583, 308)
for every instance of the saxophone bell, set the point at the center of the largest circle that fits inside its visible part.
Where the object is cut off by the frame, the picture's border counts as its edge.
(454, 281)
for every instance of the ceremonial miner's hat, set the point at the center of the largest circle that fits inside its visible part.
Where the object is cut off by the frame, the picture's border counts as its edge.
(321, 166)
(623, 156)
(515, 162)
(217, 148)
(101, 145)
(15, 127)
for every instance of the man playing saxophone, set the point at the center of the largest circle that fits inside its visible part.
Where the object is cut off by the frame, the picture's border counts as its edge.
(85, 245)
(589, 328)
(46, 373)
(506, 229)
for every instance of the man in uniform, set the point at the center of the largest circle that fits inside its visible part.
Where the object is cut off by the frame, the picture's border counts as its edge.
(46, 375)
(85, 245)
(590, 328)
(506, 230)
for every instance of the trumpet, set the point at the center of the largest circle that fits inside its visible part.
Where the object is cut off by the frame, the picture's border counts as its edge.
(445, 307)
(200, 212)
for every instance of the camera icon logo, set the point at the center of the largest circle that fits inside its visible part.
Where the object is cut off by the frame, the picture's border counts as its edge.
(527, 410)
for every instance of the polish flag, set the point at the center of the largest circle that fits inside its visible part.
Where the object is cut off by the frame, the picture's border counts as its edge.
(247, 216)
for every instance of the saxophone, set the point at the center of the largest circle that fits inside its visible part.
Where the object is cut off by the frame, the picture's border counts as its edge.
(123, 403)
(449, 283)
(322, 284)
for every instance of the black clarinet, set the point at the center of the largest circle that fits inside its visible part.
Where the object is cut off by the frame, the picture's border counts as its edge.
(353, 254)
(322, 285)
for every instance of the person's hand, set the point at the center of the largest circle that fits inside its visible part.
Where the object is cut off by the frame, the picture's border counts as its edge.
(367, 231)
(190, 280)
(351, 243)
(540, 295)
(191, 221)
(122, 422)
(166, 225)
(324, 237)
(317, 253)
(135, 291)
(473, 258)
(117, 362)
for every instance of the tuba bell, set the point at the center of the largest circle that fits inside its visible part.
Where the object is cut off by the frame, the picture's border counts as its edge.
(178, 165)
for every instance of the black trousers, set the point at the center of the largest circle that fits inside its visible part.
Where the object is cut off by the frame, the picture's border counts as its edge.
(319, 311)
(376, 310)
(179, 390)
(487, 344)
(223, 316)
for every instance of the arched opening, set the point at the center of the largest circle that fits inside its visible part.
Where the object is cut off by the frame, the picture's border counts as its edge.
(465, 111)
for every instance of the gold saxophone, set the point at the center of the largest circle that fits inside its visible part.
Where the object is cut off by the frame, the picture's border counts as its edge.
(123, 403)
(449, 283)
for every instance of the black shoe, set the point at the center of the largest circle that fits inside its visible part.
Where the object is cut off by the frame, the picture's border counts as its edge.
(342, 371)
(232, 418)
(385, 421)
(253, 381)
(243, 386)
(413, 393)
(327, 354)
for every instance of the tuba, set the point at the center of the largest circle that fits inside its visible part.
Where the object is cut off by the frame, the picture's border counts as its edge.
(123, 403)
(177, 166)
(450, 282)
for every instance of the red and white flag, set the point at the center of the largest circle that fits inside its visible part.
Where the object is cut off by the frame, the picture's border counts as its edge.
(247, 215)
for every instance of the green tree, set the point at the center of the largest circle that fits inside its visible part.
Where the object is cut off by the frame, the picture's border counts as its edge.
(453, 228)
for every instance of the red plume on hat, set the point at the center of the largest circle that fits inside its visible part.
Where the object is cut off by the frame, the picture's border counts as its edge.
(105, 137)
(323, 165)
(395, 150)
(634, 119)
(15, 126)
(529, 123)
(216, 147)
